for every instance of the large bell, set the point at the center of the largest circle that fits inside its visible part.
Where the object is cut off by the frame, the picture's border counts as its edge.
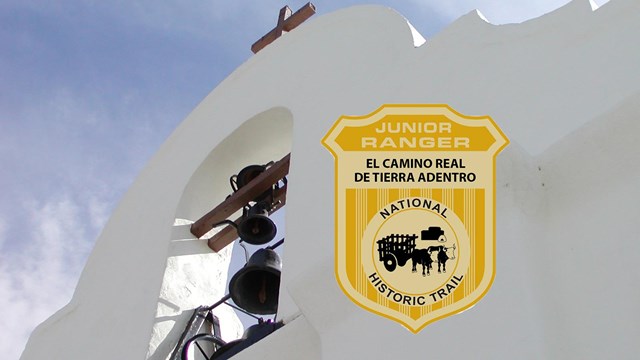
(249, 173)
(256, 228)
(255, 287)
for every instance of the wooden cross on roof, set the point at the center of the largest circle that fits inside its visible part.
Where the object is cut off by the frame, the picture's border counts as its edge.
(286, 22)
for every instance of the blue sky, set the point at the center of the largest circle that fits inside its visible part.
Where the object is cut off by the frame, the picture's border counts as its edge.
(88, 92)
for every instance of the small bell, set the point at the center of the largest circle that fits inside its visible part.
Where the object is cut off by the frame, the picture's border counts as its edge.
(256, 228)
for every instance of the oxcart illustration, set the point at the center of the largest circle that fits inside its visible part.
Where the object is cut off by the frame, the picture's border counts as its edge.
(396, 249)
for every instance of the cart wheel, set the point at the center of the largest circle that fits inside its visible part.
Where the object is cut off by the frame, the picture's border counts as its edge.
(389, 262)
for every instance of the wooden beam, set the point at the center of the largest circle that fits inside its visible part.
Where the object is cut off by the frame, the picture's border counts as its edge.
(244, 195)
(286, 22)
(228, 234)
(300, 16)
(285, 13)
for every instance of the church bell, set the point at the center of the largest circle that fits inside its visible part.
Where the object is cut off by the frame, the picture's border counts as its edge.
(256, 228)
(247, 174)
(255, 287)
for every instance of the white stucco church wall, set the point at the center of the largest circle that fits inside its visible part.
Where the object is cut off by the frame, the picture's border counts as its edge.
(565, 88)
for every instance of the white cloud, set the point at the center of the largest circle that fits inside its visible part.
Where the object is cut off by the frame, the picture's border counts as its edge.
(496, 11)
(99, 212)
(39, 280)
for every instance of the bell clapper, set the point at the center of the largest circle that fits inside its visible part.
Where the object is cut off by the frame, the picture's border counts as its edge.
(262, 294)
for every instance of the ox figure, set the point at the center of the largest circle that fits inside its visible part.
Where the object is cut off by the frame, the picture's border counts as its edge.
(423, 257)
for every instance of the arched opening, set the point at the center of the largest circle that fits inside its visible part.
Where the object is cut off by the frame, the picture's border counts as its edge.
(264, 139)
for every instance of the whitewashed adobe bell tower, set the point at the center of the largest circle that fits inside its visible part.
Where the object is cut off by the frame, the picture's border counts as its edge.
(564, 87)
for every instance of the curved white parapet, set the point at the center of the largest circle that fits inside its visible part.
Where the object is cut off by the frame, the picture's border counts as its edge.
(564, 88)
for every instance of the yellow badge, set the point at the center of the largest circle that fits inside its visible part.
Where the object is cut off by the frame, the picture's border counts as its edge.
(415, 210)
